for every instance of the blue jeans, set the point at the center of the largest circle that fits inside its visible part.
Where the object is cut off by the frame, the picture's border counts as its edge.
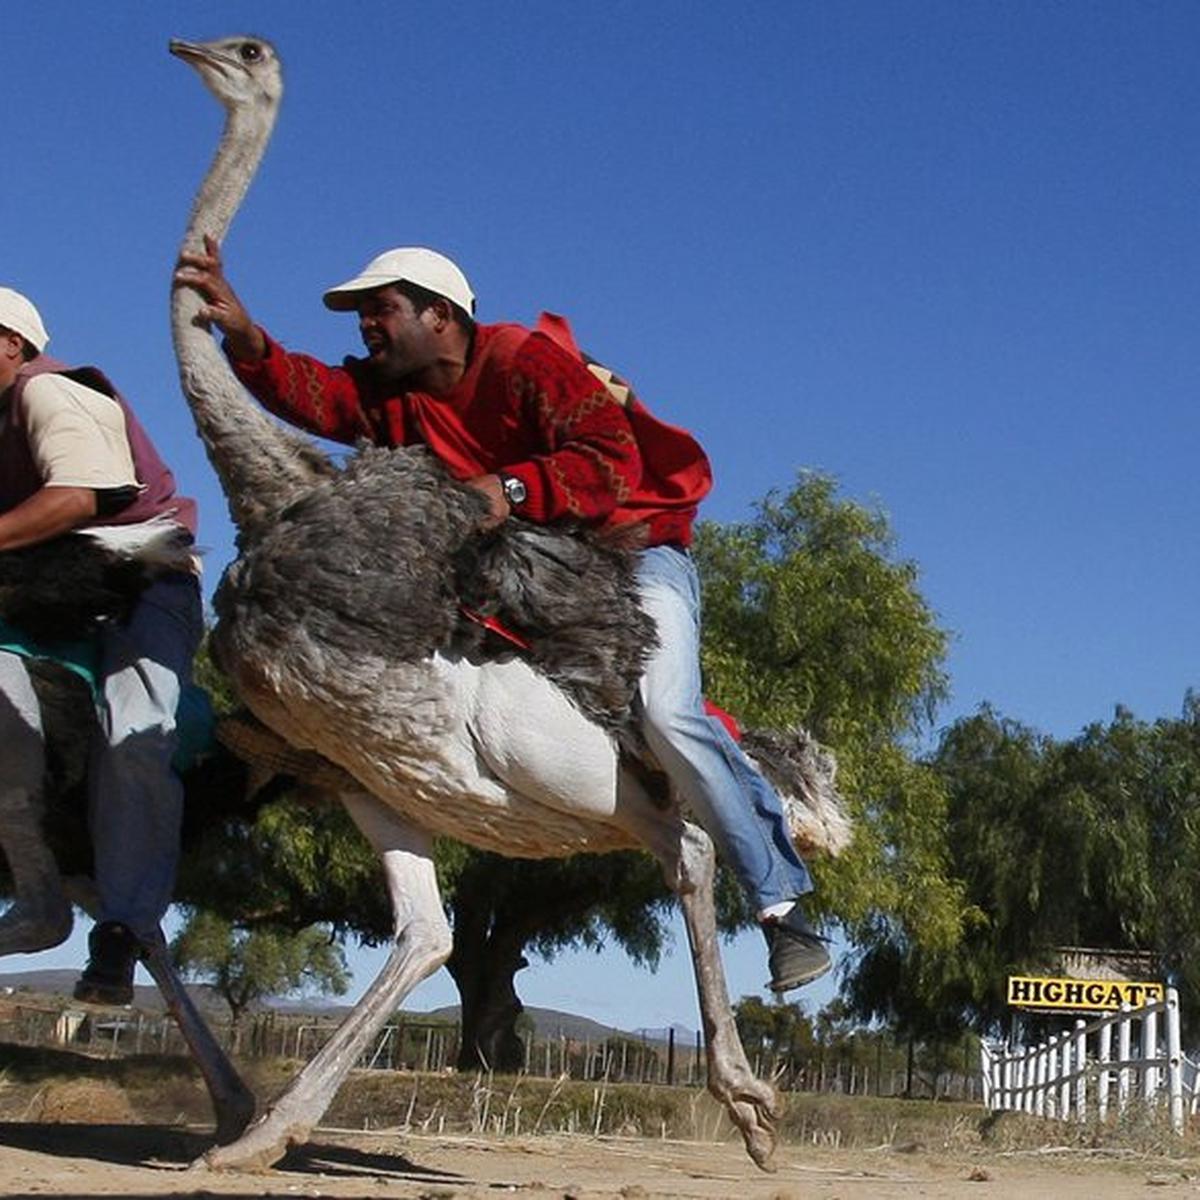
(135, 799)
(734, 803)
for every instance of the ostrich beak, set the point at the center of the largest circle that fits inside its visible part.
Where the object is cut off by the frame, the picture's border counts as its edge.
(189, 51)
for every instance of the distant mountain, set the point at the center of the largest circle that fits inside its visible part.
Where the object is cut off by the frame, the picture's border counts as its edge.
(61, 982)
(547, 1022)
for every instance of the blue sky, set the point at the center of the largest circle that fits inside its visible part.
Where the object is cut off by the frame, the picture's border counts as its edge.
(948, 252)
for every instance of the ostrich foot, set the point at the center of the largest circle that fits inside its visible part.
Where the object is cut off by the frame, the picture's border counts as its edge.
(753, 1107)
(256, 1150)
(233, 1102)
(752, 1104)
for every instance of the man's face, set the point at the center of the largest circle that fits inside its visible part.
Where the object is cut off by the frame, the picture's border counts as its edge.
(399, 342)
(12, 357)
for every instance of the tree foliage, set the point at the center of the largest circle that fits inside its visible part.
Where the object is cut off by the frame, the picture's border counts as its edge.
(1091, 841)
(777, 1029)
(245, 966)
(811, 618)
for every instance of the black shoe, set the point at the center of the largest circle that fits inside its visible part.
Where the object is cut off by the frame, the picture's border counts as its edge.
(796, 952)
(113, 953)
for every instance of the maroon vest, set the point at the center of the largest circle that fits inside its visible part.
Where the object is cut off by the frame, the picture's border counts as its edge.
(19, 478)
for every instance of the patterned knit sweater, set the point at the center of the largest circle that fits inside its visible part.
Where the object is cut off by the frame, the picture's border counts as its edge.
(525, 406)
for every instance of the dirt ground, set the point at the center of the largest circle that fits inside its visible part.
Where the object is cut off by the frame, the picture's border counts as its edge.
(85, 1160)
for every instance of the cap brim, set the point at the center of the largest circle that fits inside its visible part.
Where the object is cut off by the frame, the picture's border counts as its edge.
(344, 297)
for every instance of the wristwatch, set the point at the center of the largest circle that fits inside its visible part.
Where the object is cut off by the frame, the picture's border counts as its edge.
(515, 492)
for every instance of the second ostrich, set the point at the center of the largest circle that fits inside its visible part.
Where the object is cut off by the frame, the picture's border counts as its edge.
(340, 626)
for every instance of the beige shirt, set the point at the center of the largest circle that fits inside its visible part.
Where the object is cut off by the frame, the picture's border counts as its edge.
(76, 435)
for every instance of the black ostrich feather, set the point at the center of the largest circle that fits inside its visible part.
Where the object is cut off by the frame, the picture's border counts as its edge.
(61, 590)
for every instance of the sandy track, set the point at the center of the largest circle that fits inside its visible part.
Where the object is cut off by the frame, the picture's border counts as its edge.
(148, 1161)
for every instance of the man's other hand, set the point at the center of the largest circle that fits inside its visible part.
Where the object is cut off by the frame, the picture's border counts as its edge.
(205, 273)
(493, 490)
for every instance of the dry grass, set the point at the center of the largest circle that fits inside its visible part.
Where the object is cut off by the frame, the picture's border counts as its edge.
(62, 1087)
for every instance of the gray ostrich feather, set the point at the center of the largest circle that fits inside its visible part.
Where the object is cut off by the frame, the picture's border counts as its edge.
(573, 596)
(383, 553)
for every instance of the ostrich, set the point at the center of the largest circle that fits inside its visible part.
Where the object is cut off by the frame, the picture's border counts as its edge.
(340, 626)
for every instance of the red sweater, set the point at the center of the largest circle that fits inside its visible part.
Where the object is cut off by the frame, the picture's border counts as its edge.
(525, 407)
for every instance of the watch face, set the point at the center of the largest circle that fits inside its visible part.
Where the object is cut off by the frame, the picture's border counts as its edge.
(514, 490)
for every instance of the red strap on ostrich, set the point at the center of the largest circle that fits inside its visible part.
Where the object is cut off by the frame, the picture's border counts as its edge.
(496, 626)
(726, 719)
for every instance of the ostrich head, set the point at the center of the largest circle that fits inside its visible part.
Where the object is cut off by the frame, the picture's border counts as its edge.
(237, 70)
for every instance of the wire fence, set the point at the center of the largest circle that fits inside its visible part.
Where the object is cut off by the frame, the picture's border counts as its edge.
(417, 1044)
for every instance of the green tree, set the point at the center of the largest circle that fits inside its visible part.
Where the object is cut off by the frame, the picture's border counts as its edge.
(779, 1034)
(504, 909)
(811, 618)
(1089, 841)
(246, 966)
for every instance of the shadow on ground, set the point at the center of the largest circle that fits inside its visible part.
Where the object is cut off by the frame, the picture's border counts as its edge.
(167, 1147)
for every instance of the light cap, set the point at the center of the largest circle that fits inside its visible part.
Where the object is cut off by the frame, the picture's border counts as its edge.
(18, 314)
(406, 264)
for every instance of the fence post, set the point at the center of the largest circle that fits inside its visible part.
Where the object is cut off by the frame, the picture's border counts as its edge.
(1064, 1089)
(1009, 1073)
(1124, 1040)
(985, 1072)
(1079, 1063)
(1174, 1061)
(1104, 1078)
(1041, 1065)
(1149, 1051)
(1055, 1056)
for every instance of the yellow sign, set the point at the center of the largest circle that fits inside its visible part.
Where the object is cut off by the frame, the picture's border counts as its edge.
(1030, 991)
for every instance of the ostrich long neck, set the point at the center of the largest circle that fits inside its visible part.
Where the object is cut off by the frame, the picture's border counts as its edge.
(261, 465)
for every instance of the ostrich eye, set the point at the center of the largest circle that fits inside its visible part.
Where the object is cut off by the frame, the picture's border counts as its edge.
(250, 52)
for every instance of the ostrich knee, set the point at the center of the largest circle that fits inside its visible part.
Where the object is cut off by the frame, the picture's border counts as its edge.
(406, 853)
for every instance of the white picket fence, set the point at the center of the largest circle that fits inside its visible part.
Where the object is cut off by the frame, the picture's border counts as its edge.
(1077, 1076)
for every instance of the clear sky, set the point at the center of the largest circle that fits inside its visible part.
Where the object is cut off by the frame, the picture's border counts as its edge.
(948, 252)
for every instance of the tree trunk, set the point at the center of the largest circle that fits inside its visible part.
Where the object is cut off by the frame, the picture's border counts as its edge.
(236, 1014)
(483, 963)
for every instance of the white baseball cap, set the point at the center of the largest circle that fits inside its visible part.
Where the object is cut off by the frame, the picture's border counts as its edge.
(19, 315)
(406, 264)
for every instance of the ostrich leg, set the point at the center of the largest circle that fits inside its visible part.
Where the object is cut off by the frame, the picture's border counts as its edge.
(422, 944)
(232, 1101)
(752, 1104)
(685, 854)
(40, 914)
